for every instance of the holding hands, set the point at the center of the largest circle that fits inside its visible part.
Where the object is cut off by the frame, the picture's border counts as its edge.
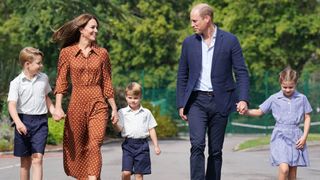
(242, 107)
(114, 116)
(58, 114)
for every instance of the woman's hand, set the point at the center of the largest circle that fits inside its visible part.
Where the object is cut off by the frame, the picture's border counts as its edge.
(114, 116)
(58, 114)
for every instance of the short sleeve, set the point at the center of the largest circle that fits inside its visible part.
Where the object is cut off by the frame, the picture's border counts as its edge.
(62, 72)
(306, 105)
(151, 120)
(48, 87)
(266, 105)
(13, 94)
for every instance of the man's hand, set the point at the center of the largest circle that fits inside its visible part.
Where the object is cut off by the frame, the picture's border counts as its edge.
(183, 116)
(242, 107)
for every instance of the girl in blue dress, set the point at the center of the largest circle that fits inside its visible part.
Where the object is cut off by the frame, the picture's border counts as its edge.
(288, 142)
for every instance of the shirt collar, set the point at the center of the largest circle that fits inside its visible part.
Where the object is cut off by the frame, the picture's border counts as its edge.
(280, 95)
(24, 77)
(75, 49)
(214, 33)
(128, 109)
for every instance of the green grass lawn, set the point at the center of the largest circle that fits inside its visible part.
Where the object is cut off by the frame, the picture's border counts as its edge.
(261, 141)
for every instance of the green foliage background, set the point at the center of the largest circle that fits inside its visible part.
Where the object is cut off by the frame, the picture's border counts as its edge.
(144, 38)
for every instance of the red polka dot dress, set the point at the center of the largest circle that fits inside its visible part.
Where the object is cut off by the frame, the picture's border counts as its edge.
(86, 119)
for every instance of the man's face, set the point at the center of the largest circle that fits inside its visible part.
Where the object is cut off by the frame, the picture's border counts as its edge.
(198, 23)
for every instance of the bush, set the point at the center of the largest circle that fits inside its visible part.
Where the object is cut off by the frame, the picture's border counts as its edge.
(6, 135)
(55, 135)
(5, 145)
(166, 127)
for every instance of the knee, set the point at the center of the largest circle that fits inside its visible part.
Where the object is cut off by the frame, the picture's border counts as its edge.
(138, 176)
(37, 160)
(216, 154)
(284, 170)
(197, 148)
(25, 162)
(126, 174)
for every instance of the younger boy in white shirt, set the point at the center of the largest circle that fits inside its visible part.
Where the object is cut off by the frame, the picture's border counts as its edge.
(136, 124)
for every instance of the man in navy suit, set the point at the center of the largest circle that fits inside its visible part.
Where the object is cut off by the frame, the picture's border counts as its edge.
(207, 91)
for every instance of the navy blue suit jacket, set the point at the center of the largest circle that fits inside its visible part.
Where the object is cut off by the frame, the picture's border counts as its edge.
(229, 74)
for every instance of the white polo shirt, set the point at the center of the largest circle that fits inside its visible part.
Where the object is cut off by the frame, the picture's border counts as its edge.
(30, 95)
(136, 124)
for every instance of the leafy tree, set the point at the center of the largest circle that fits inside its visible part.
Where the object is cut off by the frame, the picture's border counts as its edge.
(146, 46)
(32, 22)
(275, 33)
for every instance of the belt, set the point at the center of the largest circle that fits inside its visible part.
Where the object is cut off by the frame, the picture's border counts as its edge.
(139, 140)
(208, 93)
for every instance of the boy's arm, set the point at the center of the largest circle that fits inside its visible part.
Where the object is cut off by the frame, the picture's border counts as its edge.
(12, 107)
(301, 142)
(117, 127)
(50, 105)
(153, 136)
(254, 112)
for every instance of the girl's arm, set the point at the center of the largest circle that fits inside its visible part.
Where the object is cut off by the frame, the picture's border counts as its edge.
(153, 136)
(117, 127)
(254, 112)
(21, 128)
(302, 141)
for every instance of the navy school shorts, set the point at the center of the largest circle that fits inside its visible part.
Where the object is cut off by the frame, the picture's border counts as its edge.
(36, 138)
(136, 156)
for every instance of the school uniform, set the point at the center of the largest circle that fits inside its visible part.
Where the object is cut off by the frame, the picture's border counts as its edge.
(135, 148)
(30, 96)
(288, 113)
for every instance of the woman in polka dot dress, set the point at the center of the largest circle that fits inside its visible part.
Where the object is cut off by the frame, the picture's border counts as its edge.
(89, 69)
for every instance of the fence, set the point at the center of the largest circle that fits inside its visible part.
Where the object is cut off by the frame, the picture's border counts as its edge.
(259, 91)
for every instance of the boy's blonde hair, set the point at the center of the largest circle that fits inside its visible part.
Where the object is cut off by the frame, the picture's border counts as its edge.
(27, 54)
(288, 74)
(134, 89)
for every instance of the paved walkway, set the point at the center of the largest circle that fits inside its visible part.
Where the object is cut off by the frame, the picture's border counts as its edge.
(173, 163)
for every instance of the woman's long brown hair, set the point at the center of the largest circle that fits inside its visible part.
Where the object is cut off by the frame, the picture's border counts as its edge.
(69, 33)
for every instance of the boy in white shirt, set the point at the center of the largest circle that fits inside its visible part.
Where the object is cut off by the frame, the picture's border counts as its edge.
(136, 124)
(28, 105)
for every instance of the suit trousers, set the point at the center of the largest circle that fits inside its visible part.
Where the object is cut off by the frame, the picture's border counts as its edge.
(203, 119)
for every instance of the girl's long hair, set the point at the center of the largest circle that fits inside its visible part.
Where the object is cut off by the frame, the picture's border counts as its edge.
(69, 33)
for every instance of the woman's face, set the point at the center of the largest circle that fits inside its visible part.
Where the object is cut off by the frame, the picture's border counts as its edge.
(89, 32)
